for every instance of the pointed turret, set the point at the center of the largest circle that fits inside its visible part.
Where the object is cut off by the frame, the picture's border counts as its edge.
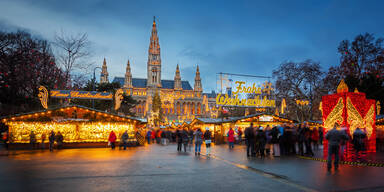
(128, 77)
(177, 85)
(198, 88)
(104, 73)
(154, 61)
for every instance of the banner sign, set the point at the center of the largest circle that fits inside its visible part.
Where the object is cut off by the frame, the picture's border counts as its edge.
(68, 94)
(248, 95)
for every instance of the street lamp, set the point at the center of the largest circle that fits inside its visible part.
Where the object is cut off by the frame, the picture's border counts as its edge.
(93, 83)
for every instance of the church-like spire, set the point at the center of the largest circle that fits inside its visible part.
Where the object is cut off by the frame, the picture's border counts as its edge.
(197, 87)
(154, 61)
(104, 73)
(128, 77)
(177, 85)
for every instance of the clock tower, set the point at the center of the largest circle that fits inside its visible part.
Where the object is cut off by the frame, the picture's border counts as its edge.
(154, 60)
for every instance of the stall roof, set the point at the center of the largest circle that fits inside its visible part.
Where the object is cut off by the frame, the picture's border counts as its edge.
(380, 119)
(214, 120)
(261, 114)
(16, 116)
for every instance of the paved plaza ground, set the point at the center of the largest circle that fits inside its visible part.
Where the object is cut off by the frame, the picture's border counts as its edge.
(162, 168)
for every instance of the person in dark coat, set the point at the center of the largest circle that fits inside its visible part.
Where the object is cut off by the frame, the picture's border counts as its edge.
(208, 141)
(185, 139)
(59, 140)
(275, 141)
(301, 139)
(124, 139)
(308, 140)
(51, 139)
(179, 139)
(32, 139)
(250, 140)
(334, 138)
(262, 140)
(358, 142)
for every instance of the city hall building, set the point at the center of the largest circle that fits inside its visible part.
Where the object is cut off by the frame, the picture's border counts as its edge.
(180, 101)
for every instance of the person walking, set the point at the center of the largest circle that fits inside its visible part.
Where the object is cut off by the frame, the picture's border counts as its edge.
(163, 137)
(124, 139)
(231, 138)
(32, 139)
(275, 141)
(301, 139)
(268, 145)
(198, 141)
(43, 137)
(334, 138)
(153, 135)
(315, 138)
(343, 143)
(179, 139)
(207, 138)
(51, 139)
(240, 135)
(59, 140)
(358, 142)
(190, 135)
(308, 140)
(149, 134)
(112, 139)
(185, 139)
(321, 135)
(262, 140)
(250, 140)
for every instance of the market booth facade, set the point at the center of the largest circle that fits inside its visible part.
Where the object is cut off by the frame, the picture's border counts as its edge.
(80, 126)
(220, 127)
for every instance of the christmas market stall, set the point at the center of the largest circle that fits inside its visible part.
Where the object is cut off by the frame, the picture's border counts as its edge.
(80, 126)
(216, 125)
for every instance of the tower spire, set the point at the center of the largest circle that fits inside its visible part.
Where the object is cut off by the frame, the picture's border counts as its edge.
(128, 76)
(104, 73)
(177, 85)
(197, 87)
(154, 60)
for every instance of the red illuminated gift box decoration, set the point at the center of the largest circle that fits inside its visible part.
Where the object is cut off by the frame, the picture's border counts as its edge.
(351, 110)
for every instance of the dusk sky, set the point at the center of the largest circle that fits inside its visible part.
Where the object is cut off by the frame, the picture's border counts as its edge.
(248, 37)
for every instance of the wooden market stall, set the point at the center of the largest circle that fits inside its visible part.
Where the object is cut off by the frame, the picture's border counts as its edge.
(79, 125)
(216, 126)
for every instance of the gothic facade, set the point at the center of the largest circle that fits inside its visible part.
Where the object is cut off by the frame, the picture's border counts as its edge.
(179, 100)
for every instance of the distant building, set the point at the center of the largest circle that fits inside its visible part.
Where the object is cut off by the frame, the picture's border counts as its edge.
(180, 102)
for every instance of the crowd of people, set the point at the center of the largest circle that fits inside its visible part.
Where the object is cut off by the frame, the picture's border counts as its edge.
(53, 138)
(282, 140)
(287, 139)
(183, 137)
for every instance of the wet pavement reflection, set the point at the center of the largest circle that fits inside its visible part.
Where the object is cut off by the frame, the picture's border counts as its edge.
(162, 168)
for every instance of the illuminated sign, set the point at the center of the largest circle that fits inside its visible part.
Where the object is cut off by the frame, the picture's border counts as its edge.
(259, 100)
(68, 94)
(265, 118)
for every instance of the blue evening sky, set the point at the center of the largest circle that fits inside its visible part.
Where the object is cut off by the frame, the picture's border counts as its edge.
(250, 37)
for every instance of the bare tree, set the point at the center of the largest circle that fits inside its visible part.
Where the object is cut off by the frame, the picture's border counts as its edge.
(300, 81)
(73, 52)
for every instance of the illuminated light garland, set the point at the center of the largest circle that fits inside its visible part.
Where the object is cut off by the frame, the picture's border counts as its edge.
(355, 120)
(335, 115)
(73, 132)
